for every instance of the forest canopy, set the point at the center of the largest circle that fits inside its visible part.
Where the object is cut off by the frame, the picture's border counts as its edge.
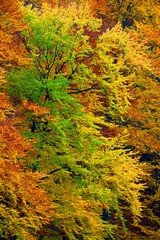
(79, 120)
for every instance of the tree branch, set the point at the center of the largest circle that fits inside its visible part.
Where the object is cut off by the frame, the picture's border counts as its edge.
(50, 173)
(25, 44)
(84, 90)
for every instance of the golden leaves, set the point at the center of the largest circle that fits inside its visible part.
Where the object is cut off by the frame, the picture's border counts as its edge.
(24, 206)
(35, 108)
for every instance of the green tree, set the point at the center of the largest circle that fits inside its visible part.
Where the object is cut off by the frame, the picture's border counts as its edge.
(58, 98)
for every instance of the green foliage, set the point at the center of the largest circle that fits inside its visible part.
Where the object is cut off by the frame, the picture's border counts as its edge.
(57, 97)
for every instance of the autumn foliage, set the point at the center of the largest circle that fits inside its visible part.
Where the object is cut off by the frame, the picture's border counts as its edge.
(79, 119)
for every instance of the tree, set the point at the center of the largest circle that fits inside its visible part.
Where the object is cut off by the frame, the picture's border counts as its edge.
(142, 119)
(24, 206)
(57, 95)
(11, 50)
